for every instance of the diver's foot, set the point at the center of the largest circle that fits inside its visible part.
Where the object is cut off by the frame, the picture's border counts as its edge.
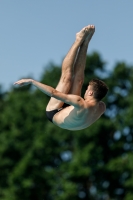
(90, 34)
(85, 34)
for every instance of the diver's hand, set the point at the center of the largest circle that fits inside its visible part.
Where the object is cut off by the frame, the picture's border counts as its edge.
(23, 82)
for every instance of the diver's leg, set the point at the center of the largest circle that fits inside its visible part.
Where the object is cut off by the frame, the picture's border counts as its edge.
(65, 82)
(80, 64)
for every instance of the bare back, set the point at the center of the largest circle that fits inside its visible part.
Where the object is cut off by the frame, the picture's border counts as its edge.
(72, 118)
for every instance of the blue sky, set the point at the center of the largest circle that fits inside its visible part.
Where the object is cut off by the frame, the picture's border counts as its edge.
(36, 32)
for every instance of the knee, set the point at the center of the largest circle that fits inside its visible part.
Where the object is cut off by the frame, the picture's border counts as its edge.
(67, 78)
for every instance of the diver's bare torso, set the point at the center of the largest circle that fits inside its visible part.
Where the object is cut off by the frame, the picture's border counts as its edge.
(72, 118)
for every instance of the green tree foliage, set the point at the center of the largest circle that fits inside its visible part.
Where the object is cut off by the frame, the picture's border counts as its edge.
(40, 161)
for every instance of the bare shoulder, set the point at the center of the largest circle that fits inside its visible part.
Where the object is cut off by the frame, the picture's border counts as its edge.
(102, 106)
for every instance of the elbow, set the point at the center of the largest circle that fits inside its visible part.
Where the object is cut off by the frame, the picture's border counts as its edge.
(80, 102)
(53, 93)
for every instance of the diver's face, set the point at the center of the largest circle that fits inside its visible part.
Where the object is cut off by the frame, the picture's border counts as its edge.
(88, 91)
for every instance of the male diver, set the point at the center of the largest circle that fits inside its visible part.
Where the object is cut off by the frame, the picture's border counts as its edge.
(66, 108)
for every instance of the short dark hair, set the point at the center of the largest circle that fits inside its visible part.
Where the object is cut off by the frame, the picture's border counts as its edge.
(100, 89)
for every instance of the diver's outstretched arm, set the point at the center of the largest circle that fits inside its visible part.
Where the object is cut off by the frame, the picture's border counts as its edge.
(74, 100)
(44, 88)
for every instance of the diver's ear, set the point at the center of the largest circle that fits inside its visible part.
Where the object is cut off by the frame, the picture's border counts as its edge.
(90, 93)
